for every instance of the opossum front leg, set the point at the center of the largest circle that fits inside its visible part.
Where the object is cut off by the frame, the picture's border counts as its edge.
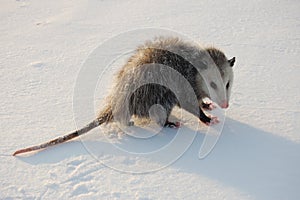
(160, 114)
(207, 105)
(200, 114)
(206, 119)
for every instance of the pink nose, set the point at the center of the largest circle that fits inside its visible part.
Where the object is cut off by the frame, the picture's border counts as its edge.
(225, 105)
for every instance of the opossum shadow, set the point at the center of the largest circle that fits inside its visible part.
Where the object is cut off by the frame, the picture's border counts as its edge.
(259, 163)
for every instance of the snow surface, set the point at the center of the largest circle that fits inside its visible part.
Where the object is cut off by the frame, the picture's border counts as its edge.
(43, 47)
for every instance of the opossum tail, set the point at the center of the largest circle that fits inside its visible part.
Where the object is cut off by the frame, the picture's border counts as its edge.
(104, 117)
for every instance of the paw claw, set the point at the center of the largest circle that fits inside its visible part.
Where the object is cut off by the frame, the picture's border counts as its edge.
(212, 106)
(213, 120)
(209, 106)
(178, 124)
(173, 125)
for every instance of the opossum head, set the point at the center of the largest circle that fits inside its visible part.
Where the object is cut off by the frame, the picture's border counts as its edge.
(219, 79)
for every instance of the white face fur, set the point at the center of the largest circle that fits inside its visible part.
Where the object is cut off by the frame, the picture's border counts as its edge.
(228, 80)
(220, 84)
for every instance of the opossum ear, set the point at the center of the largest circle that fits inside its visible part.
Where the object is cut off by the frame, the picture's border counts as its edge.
(231, 61)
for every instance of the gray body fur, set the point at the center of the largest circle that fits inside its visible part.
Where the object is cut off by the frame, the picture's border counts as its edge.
(131, 94)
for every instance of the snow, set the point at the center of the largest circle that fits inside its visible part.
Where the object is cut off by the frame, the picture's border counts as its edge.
(45, 44)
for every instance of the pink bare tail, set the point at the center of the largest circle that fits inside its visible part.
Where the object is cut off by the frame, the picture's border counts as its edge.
(104, 117)
(62, 139)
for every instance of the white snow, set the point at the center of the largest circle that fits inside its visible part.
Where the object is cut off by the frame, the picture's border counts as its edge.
(44, 45)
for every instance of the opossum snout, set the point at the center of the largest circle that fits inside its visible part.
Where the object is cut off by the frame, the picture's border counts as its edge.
(225, 104)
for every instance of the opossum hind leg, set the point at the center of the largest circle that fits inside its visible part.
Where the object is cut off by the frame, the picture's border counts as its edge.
(172, 124)
(161, 114)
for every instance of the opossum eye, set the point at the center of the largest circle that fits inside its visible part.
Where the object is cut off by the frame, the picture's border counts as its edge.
(213, 85)
(227, 85)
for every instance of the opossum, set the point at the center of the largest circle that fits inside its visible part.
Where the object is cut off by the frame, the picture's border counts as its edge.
(167, 72)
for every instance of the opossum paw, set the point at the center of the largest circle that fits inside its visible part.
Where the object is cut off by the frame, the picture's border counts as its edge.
(213, 120)
(172, 124)
(208, 106)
